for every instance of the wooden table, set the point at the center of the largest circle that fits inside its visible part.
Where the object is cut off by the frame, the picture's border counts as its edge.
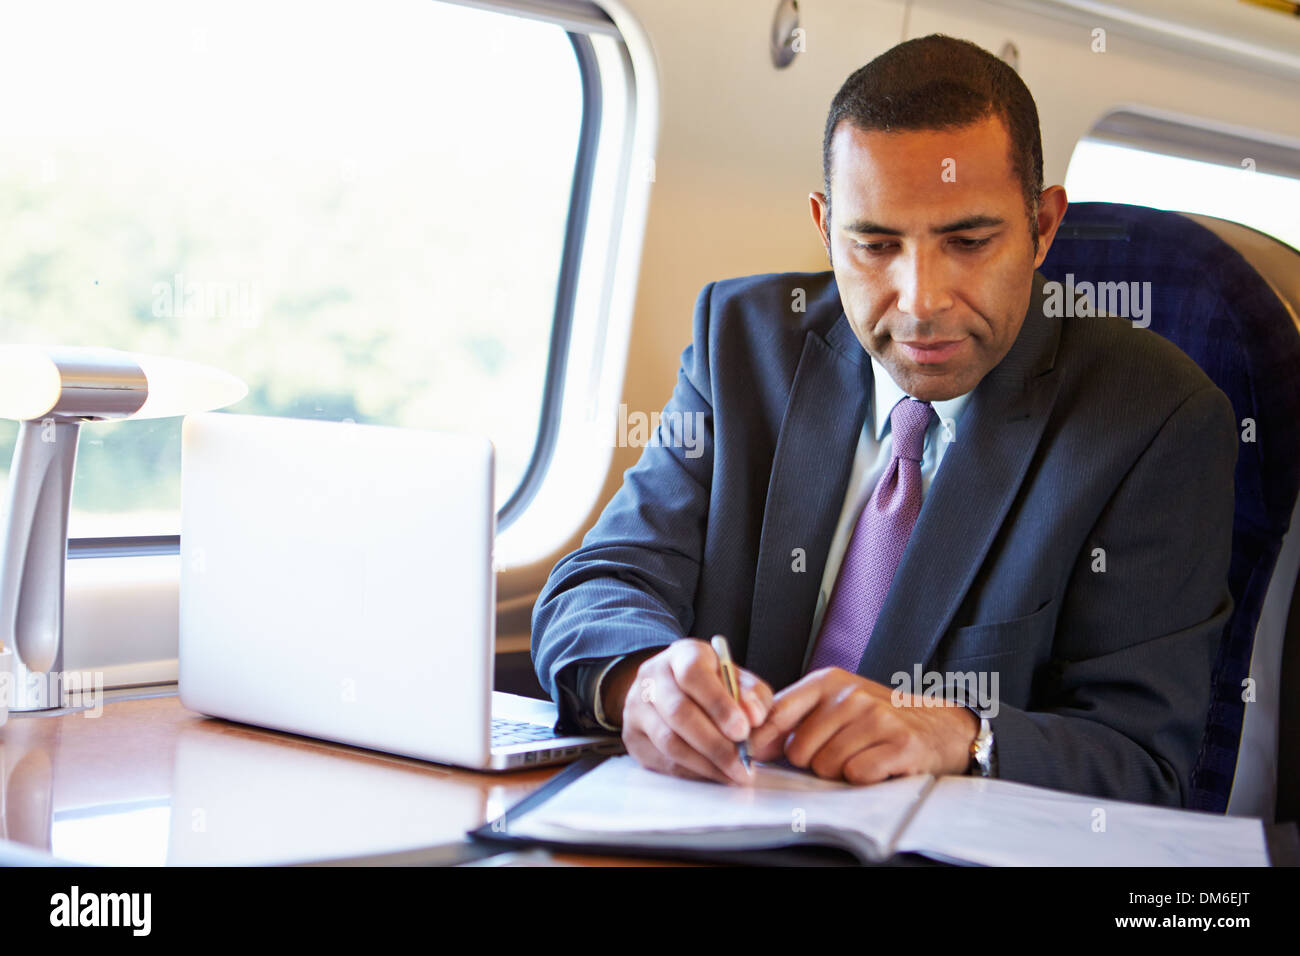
(146, 782)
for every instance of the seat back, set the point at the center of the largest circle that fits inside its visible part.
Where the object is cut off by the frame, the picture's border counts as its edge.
(1229, 297)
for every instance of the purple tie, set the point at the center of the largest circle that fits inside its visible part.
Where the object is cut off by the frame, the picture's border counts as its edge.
(877, 546)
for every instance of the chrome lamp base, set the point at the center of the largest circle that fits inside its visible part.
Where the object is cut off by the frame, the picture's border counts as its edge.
(32, 562)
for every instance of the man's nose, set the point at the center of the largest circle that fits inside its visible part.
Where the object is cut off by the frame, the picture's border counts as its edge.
(924, 286)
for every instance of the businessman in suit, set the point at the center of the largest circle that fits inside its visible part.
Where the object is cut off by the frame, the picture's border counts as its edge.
(912, 464)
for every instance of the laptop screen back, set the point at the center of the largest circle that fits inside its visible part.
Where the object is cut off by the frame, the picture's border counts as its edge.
(337, 582)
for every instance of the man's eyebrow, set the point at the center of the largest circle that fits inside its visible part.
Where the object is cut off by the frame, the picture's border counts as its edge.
(866, 226)
(970, 222)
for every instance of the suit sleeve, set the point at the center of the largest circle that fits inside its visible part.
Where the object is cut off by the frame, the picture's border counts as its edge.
(631, 585)
(1128, 688)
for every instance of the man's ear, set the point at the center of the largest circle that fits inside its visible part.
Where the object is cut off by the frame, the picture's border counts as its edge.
(820, 210)
(1051, 210)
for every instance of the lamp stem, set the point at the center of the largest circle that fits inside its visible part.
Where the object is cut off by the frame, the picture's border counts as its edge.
(33, 559)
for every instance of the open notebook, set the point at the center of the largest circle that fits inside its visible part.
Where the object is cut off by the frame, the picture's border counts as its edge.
(967, 820)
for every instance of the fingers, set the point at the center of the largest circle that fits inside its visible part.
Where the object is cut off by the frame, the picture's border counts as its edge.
(876, 763)
(756, 697)
(828, 750)
(668, 753)
(816, 730)
(705, 715)
(688, 721)
(697, 674)
(788, 710)
(829, 718)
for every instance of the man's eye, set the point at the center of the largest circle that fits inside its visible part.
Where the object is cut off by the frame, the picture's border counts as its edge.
(967, 243)
(873, 247)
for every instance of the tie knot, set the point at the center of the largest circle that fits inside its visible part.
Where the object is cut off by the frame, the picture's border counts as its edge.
(908, 421)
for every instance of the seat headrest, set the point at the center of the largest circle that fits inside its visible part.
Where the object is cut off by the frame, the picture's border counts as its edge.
(1234, 322)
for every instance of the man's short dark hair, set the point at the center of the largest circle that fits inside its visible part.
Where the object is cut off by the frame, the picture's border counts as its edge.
(941, 82)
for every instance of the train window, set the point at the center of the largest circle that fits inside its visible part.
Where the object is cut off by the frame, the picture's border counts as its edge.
(368, 213)
(1149, 161)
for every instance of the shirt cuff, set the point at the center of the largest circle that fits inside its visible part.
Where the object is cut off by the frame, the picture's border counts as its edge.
(577, 697)
(596, 693)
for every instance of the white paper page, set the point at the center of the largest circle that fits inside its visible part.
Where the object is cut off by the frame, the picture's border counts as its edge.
(622, 797)
(1001, 823)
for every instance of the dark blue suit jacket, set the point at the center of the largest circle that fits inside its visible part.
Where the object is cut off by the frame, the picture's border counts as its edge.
(1090, 434)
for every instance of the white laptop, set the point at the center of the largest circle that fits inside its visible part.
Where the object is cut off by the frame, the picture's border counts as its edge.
(337, 581)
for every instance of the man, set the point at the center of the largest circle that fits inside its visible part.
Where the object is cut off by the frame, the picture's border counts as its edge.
(1071, 553)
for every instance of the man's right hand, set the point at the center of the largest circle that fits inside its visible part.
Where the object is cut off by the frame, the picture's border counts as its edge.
(677, 716)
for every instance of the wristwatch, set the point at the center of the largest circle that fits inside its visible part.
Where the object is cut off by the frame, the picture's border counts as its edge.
(983, 760)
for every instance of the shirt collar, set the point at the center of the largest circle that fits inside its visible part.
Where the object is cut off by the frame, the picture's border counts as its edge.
(886, 394)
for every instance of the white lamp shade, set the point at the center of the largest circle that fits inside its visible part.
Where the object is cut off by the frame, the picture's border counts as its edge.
(178, 387)
(33, 381)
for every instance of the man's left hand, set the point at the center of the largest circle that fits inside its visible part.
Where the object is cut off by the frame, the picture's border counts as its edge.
(844, 726)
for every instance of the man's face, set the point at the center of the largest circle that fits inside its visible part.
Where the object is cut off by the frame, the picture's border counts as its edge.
(932, 251)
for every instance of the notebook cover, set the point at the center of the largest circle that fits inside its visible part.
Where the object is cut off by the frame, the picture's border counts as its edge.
(803, 855)
(1282, 840)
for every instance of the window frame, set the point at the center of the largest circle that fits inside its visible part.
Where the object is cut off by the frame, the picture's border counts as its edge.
(1195, 138)
(566, 290)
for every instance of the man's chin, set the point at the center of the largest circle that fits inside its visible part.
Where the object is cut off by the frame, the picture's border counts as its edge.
(929, 383)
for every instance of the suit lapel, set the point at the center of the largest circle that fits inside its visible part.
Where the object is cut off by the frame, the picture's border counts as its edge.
(810, 473)
(981, 473)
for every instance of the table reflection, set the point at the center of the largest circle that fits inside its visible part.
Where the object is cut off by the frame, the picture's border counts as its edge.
(149, 783)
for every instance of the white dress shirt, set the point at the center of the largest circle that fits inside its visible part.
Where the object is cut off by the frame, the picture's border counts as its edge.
(875, 448)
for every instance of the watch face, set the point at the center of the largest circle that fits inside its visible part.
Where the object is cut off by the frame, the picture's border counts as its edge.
(981, 749)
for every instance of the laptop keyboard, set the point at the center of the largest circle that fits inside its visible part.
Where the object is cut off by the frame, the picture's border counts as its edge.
(505, 732)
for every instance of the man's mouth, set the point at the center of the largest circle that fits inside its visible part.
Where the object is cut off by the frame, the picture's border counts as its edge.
(932, 352)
